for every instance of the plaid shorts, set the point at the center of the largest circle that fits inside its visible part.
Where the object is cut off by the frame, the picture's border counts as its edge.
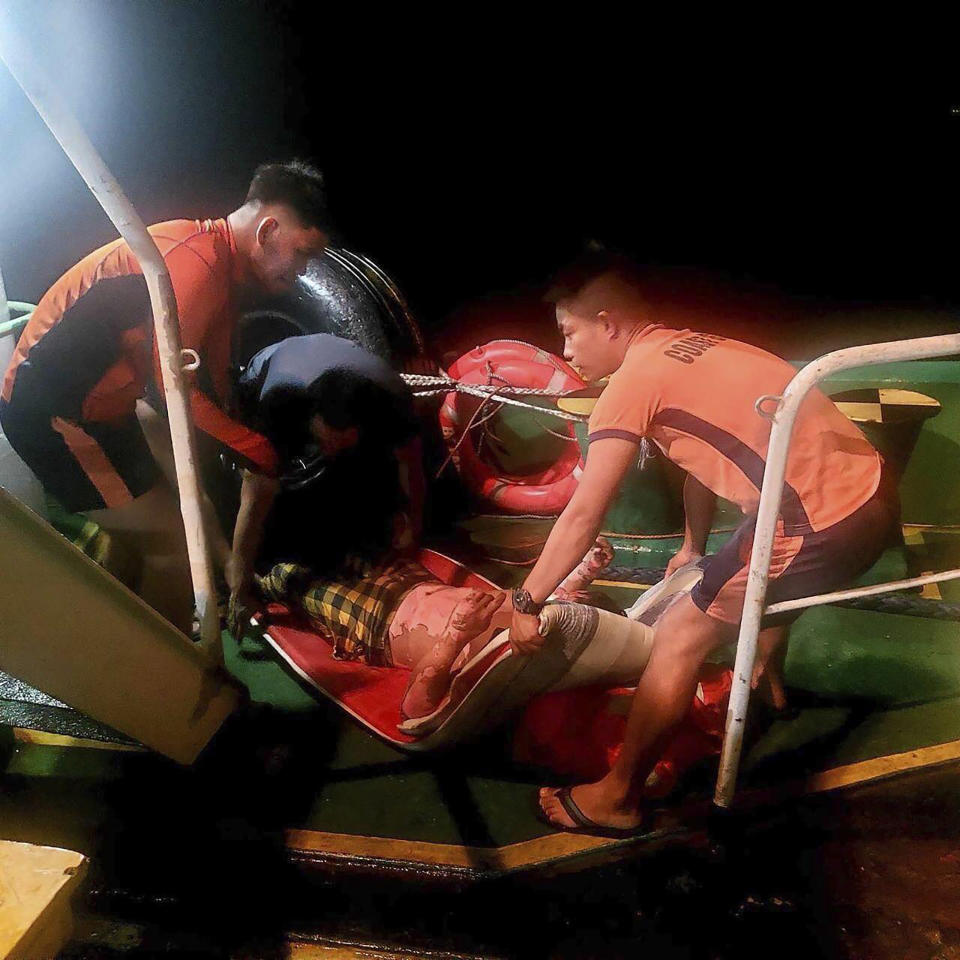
(353, 613)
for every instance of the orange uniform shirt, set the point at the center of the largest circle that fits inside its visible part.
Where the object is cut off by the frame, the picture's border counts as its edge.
(693, 395)
(201, 257)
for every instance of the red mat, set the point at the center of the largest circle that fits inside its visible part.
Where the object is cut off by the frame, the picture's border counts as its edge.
(577, 732)
(371, 695)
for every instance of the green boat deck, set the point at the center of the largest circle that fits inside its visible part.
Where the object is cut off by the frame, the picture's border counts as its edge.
(292, 784)
(865, 685)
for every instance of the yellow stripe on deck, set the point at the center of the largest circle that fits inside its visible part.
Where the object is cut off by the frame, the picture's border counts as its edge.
(583, 406)
(881, 767)
(622, 583)
(330, 951)
(480, 859)
(686, 820)
(860, 410)
(40, 738)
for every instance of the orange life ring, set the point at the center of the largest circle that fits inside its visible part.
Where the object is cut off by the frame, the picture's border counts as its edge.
(517, 364)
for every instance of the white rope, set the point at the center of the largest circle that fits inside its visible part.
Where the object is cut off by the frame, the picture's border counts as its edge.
(443, 384)
(435, 385)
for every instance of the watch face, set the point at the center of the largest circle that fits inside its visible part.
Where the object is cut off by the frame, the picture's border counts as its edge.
(523, 602)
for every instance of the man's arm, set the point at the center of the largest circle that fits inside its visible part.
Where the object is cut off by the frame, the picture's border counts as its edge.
(202, 291)
(575, 531)
(413, 484)
(699, 506)
(256, 498)
(254, 448)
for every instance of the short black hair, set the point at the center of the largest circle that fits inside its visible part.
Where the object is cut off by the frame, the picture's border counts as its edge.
(594, 262)
(297, 185)
(344, 399)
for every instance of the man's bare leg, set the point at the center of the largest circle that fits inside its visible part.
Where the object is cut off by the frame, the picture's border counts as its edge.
(150, 527)
(157, 431)
(430, 653)
(768, 668)
(684, 636)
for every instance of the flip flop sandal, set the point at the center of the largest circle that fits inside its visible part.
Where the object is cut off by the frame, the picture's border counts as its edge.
(584, 824)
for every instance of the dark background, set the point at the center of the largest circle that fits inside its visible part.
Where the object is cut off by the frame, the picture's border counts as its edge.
(470, 157)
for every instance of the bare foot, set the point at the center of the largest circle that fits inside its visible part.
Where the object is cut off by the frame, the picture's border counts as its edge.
(597, 559)
(595, 803)
(430, 677)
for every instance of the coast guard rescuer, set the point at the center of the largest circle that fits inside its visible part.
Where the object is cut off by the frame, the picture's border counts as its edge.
(68, 403)
(693, 395)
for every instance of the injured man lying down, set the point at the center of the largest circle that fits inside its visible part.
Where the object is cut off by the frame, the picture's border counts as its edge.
(569, 696)
(401, 615)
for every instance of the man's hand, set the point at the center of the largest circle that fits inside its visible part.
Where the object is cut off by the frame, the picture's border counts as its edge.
(699, 506)
(525, 633)
(257, 493)
(681, 558)
(243, 601)
(242, 606)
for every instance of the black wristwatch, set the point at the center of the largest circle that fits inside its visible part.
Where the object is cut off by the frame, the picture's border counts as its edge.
(523, 602)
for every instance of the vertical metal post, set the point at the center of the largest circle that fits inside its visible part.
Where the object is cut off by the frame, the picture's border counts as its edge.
(77, 146)
(4, 303)
(770, 494)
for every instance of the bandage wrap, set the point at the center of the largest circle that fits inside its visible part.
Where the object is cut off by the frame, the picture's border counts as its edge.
(612, 649)
(576, 623)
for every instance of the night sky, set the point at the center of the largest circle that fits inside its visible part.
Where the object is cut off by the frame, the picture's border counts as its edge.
(470, 158)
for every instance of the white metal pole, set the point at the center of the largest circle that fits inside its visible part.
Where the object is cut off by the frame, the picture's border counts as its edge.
(4, 303)
(771, 492)
(874, 590)
(77, 146)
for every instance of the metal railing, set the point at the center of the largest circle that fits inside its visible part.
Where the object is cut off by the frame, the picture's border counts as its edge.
(783, 416)
(4, 303)
(173, 358)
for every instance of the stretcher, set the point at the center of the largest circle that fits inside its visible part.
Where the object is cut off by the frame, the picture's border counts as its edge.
(488, 689)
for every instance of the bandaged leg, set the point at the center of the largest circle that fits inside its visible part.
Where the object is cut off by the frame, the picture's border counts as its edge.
(584, 646)
(612, 649)
(437, 631)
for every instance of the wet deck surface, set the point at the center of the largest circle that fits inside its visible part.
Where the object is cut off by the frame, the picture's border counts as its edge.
(191, 863)
(872, 872)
